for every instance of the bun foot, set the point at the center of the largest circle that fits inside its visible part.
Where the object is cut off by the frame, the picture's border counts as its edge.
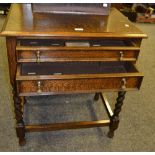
(22, 142)
(110, 134)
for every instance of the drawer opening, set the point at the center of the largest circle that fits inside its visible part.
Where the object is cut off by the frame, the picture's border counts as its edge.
(78, 43)
(111, 42)
(40, 42)
(63, 68)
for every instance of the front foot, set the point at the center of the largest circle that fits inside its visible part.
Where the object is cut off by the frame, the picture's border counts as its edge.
(22, 141)
(111, 134)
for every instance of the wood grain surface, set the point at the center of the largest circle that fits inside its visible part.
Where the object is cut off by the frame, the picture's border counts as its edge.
(22, 22)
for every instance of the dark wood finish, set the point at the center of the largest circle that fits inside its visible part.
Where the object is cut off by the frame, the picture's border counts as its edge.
(114, 120)
(57, 54)
(66, 125)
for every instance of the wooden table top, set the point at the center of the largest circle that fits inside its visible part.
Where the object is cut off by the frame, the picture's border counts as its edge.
(22, 22)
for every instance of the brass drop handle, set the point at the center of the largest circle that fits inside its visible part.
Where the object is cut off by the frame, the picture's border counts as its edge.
(38, 56)
(123, 83)
(121, 55)
(39, 87)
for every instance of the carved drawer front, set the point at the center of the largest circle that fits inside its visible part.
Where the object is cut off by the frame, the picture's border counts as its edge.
(48, 50)
(72, 77)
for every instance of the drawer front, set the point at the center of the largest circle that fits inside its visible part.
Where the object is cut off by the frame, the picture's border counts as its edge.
(77, 55)
(45, 87)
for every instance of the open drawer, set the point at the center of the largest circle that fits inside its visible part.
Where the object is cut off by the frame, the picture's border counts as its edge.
(48, 50)
(76, 77)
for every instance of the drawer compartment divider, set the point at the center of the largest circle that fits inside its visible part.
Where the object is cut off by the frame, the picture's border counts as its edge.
(66, 125)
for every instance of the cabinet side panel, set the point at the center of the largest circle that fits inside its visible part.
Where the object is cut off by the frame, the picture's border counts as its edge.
(11, 52)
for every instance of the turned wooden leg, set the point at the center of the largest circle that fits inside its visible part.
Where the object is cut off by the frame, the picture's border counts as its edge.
(96, 97)
(20, 127)
(114, 120)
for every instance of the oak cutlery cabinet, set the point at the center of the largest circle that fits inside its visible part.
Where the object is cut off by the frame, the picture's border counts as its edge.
(48, 55)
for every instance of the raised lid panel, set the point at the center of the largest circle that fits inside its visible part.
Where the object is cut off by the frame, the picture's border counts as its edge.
(72, 8)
